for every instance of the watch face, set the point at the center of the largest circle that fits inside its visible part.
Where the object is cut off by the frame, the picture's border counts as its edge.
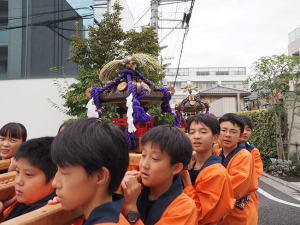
(132, 217)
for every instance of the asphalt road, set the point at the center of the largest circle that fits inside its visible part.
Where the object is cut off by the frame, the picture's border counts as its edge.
(278, 204)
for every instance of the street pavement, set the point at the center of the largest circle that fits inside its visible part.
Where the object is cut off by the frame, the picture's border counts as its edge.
(293, 183)
(279, 201)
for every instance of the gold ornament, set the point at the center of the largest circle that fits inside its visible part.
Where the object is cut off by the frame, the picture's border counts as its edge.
(145, 86)
(87, 92)
(122, 86)
(172, 90)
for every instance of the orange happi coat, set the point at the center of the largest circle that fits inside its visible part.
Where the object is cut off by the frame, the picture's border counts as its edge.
(212, 192)
(172, 208)
(240, 167)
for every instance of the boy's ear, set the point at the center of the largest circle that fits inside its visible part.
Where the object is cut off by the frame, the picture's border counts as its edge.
(216, 139)
(177, 168)
(103, 176)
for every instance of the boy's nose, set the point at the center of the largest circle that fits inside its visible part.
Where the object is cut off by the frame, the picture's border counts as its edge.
(55, 182)
(197, 135)
(145, 164)
(19, 181)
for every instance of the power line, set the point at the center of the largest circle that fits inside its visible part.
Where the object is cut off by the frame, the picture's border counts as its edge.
(142, 16)
(189, 15)
(45, 13)
(185, 33)
(59, 34)
(141, 13)
(169, 32)
(45, 23)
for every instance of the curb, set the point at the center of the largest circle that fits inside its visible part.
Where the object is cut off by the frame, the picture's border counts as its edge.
(283, 182)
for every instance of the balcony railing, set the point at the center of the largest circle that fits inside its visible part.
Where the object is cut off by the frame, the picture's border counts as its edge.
(294, 35)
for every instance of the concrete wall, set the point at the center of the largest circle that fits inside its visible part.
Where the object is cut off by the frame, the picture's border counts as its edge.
(25, 101)
(222, 106)
(294, 47)
(295, 132)
(127, 18)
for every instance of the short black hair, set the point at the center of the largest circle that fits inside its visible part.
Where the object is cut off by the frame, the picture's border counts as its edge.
(93, 144)
(247, 121)
(234, 119)
(37, 152)
(14, 130)
(172, 140)
(209, 120)
(63, 125)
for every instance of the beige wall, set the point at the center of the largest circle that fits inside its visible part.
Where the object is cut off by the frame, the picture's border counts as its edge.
(213, 98)
(294, 47)
(295, 132)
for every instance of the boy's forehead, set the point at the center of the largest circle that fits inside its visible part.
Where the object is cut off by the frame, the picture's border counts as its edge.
(229, 125)
(198, 125)
(152, 146)
(25, 164)
(247, 126)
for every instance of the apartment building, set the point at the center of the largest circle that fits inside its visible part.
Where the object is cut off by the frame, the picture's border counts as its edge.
(204, 78)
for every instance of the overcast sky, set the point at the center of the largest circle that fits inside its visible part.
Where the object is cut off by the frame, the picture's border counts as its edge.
(225, 33)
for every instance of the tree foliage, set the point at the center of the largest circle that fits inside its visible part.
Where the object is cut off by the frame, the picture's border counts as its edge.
(264, 132)
(104, 44)
(272, 83)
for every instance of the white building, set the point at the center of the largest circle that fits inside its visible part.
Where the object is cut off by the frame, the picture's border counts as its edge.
(205, 78)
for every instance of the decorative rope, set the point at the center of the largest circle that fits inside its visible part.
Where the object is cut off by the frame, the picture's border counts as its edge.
(179, 116)
(165, 105)
(130, 137)
(95, 93)
(139, 114)
(178, 109)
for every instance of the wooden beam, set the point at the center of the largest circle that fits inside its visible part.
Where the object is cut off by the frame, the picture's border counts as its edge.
(7, 176)
(7, 191)
(47, 215)
(4, 164)
(134, 159)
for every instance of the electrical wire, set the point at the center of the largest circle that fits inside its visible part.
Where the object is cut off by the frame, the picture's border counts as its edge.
(169, 33)
(185, 33)
(142, 16)
(184, 37)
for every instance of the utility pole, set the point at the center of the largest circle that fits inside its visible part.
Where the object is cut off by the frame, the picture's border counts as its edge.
(154, 14)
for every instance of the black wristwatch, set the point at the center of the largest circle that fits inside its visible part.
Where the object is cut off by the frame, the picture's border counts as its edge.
(132, 217)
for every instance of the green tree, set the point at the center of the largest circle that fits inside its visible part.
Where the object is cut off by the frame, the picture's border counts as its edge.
(105, 43)
(292, 100)
(269, 81)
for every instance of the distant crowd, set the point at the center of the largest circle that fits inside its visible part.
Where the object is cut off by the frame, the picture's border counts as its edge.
(208, 175)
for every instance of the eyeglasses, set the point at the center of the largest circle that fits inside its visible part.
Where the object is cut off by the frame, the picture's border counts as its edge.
(230, 132)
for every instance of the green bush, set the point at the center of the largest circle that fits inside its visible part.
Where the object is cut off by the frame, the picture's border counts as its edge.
(264, 133)
(295, 172)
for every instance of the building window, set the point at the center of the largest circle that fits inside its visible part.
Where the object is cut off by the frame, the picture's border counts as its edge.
(210, 85)
(202, 73)
(222, 73)
(178, 85)
(3, 67)
(53, 36)
(3, 23)
(234, 84)
(197, 84)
